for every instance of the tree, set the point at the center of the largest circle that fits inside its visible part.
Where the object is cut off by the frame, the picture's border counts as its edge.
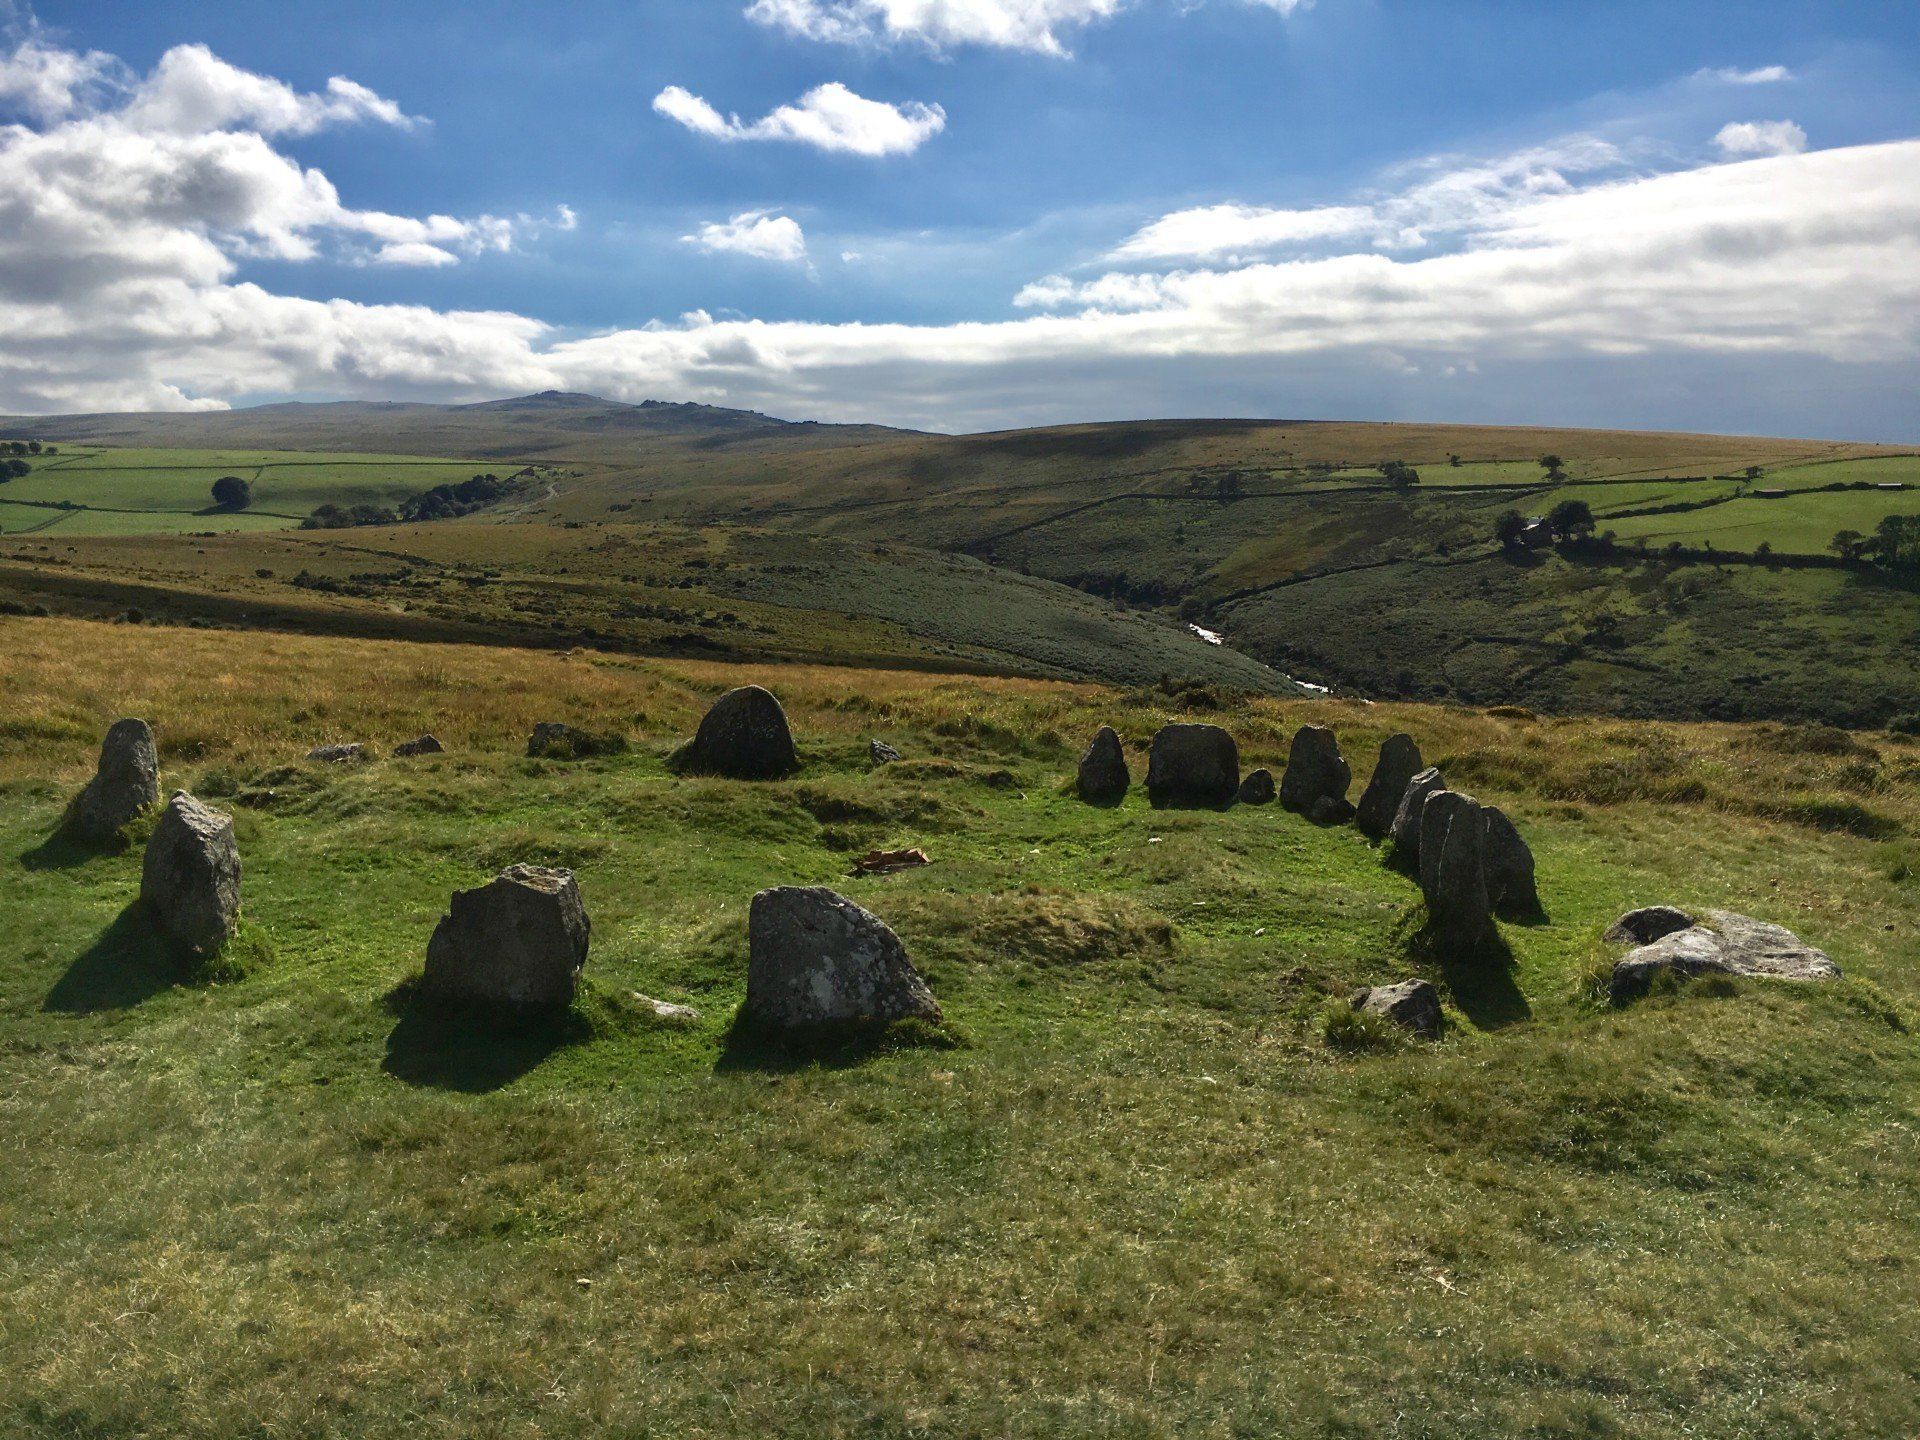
(33, 447)
(1454, 461)
(1553, 465)
(1754, 472)
(1896, 540)
(230, 492)
(1399, 472)
(14, 469)
(1571, 519)
(1509, 528)
(1848, 544)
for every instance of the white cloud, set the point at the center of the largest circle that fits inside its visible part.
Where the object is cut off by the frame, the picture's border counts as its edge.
(193, 91)
(755, 233)
(1034, 25)
(829, 117)
(1441, 195)
(48, 83)
(1732, 75)
(415, 253)
(119, 251)
(1761, 137)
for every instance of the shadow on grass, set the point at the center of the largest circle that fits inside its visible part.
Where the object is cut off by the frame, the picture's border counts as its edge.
(128, 962)
(1481, 980)
(751, 1046)
(65, 849)
(473, 1048)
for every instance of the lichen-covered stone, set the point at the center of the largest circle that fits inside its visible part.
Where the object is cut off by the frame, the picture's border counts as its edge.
(1103, 777)
(1405, 833)
(1316, 770)
(1648, 924)
(1722, 943)
(1193, 766)
(1414, 1005)
(1258, 788)
(190, 875)
(1399, 762)
(125, 785)
(520, 939)
(816, 958)
(744, 736)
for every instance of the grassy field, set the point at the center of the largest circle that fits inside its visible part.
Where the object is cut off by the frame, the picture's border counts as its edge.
(1801, 524)
(662, 589)
(1142, 1199)
(138, 491)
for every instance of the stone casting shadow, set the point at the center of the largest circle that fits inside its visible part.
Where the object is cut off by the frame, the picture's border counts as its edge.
(128, 962)
(755, 1048)
(473, 1048)
(1481, 982)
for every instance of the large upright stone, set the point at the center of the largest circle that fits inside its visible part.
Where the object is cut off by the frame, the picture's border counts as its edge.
(1399, 762)
(1722, 943)
(1316, 771)
(190, 876)
(816, 958)
(744, 736)
(1510, 882)
(1453, 871)
(1103, 777)
(1405, 833)
(1193, 765)
(520, 939)
(124, 786)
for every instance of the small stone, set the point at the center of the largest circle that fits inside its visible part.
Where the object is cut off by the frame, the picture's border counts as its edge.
(881, 753)
(1103, 777)
(190, 875)
(1257, 788)
(816, 958)
(1315, 770)
(520, 939)
(552, 740)
(424, 745)
(125, 784)
(1413, 1005)
(1330, 810)
(1193, 766)
(666, 1010)
(338, 754)
(744, 736)
(1399, 762)
(1648, 924)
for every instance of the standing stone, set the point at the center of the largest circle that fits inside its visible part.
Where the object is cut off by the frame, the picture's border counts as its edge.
(1257, 788)
(552, 740)
(881, 753)
(338, 754)
(1412, 1004)
(1510, 882)
(190, 877)
(816, 958)
(1405, 833)
(1193, 765)
(520, 939)
(1104, 776)
(124, 786)
(744, 736)
(1315, 769)
(1330, 810)
(1399, 762)
(1453, 871)
(424, 745)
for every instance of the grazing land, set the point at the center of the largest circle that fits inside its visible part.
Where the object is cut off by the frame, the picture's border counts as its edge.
(1287, 538)
(92, 490)
(1142, 1197)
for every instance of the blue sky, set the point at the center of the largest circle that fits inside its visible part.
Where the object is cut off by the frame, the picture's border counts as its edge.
(1090, 208)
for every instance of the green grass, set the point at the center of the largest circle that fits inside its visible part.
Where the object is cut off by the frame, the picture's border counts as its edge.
(1800, 524)
(135, 491)
(1142, 1199)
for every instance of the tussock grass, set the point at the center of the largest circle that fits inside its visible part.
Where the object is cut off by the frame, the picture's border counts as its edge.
(1151, 1180)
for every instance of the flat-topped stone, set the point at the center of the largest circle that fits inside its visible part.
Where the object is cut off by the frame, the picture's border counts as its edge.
(520, 939)
(1722, 942)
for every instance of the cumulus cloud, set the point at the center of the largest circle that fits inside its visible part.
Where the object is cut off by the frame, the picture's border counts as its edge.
(829, 117)
(1761, 137)
(45, 82)
(757, 233)
(1034, 25)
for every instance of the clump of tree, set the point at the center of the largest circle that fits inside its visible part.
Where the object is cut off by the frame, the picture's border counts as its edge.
(13, 470)
(1399, 472)
(230, 492)
(1895, 541)
(21, 447)
(1509, 528)
(443, 502)
(1571, 520)
(1555, 467)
